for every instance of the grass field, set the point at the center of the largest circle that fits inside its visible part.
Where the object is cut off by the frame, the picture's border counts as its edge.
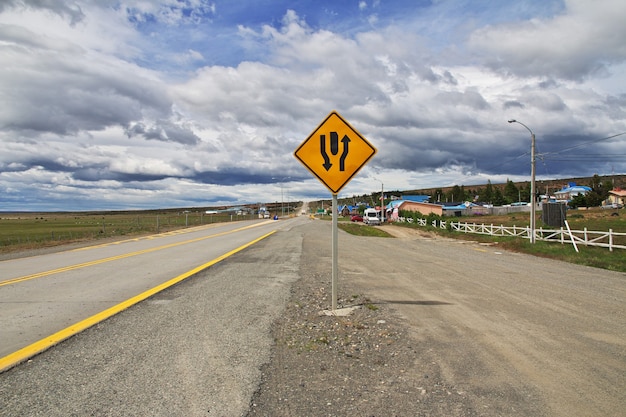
(596, 219)
(360, 230)
(593, 220)
(22, 231)
(19, 231)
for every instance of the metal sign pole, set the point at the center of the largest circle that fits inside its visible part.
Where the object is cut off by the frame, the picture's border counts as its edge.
(335, 247)
(320, 154)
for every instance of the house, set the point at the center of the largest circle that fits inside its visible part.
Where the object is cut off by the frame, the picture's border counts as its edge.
(570, 191)
(347, 210)
(617, 196)
(464, 209)
(392, 210)
(424, 208)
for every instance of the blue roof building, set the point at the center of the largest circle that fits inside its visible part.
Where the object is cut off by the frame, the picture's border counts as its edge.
(416, 198)
(572, 190)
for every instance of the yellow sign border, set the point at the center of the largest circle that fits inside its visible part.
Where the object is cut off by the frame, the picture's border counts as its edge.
(351, 128)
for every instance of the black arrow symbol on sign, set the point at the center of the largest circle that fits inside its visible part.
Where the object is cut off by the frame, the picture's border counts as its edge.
(334, 143)
(326, 163)
(342, 160)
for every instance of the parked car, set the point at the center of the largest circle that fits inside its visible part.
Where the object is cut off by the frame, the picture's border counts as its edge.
(356, 218)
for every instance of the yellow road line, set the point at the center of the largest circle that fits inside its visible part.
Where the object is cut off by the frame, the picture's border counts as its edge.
(117, 257)
(31, 350)
(148, 237)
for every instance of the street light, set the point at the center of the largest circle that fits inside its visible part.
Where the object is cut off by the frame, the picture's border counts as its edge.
(282, 200)
(382, 200)
(532, 180)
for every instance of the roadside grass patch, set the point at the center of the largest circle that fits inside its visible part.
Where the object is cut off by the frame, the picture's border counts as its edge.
(25, 231)
(588, 255)
(362, 230)
(593, 219)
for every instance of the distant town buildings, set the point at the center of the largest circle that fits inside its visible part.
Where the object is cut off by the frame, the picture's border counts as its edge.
(570, 191)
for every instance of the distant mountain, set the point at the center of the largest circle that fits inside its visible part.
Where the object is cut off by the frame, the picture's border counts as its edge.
(552, 185)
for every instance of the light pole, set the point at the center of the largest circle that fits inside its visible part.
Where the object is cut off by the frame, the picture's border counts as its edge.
(532, 180)
(382, 201)
(282, 200)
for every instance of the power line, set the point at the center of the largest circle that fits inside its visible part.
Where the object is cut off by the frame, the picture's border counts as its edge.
(617, 157)
(585, 143)
(543, 156)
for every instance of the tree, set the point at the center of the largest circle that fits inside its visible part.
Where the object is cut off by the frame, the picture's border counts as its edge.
(578, 201)
(437, 195)
(525, 192)
(511, 193)
(486, 194)
(498, 198)
(455, 194)
(603, 188)
(593, 199)
(596, 182)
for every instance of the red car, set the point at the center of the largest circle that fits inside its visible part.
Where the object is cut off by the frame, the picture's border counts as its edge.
(356, 218)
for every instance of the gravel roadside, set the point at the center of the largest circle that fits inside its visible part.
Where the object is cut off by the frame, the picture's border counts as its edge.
(363, 364)
(445, 328)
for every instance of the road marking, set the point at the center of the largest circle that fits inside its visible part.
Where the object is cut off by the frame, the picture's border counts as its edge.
(31, 350)
(150, 237)
(118, 257)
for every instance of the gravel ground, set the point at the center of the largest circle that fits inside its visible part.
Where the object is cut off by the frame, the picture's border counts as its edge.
(444, 328)
(363, 364)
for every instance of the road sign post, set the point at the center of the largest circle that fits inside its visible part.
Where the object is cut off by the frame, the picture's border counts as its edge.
(335, 254)
(334, 152)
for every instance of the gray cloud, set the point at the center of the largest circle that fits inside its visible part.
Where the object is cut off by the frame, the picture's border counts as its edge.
(165, 131)
(66, 9)
(89, 119)
(580, 42)
(67, 94)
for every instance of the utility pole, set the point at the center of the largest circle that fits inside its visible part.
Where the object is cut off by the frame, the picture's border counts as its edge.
(532, 181)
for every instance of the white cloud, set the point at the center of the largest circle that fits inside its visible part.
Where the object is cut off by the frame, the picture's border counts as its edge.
(92, 114)
(580, 43)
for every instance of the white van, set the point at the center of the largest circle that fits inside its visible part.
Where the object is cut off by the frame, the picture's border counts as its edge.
(370, 216)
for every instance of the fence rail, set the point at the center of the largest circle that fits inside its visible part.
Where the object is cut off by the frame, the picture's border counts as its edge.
(611, 240)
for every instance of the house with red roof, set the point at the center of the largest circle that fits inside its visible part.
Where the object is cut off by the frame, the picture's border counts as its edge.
(617, 197)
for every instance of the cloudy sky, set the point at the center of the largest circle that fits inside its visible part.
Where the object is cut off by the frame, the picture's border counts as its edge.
(130, 104)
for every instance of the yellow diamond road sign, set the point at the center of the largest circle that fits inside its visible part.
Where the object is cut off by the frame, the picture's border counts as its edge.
(334, 152)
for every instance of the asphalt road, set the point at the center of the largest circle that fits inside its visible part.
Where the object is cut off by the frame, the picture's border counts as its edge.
(44, 294)
(191, 350)
(509, 331)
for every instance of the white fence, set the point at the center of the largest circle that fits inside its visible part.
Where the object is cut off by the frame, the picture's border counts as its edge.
(576, 237)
